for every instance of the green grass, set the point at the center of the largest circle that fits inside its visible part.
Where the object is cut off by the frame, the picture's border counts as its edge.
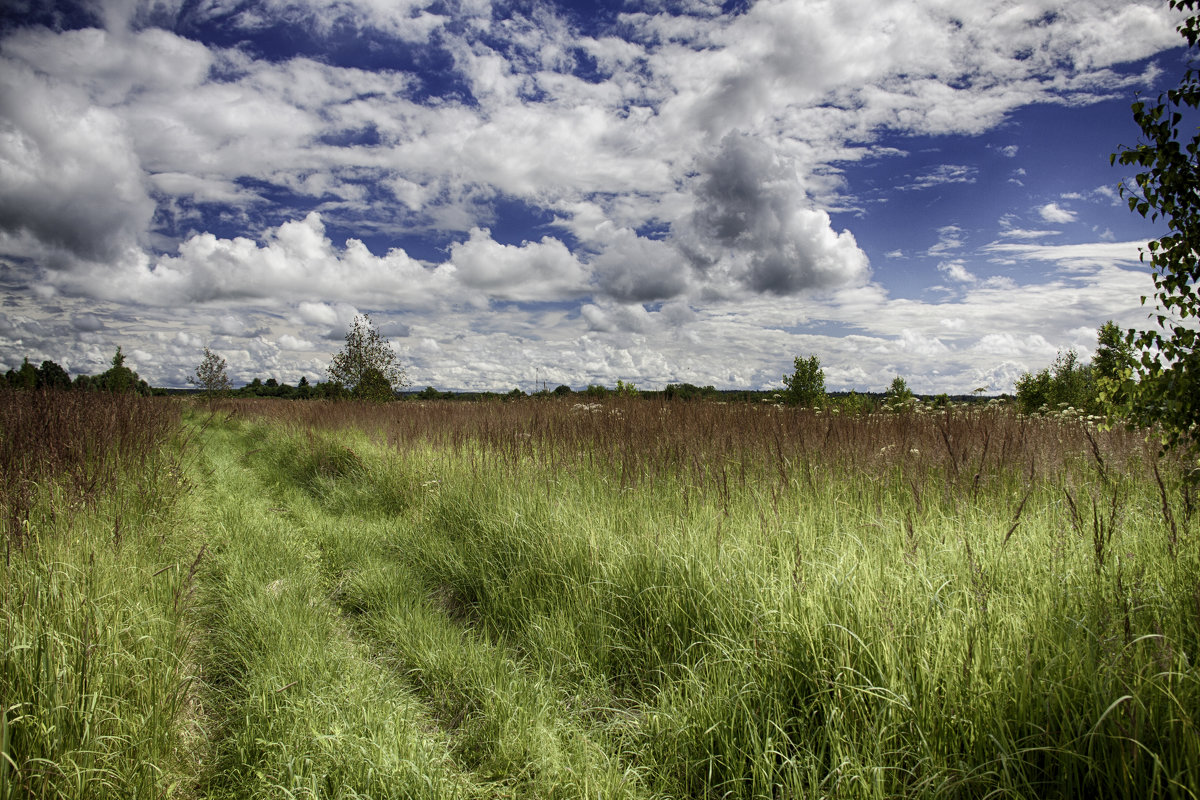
(95, 680)
(668, 600)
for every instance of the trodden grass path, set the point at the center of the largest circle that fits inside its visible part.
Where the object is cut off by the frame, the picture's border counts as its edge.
(332, 671)
(487, 621)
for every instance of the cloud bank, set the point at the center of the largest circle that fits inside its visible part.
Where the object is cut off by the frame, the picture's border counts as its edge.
(649, 195)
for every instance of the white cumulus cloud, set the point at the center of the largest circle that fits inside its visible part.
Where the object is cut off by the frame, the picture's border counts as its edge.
(1053, 212)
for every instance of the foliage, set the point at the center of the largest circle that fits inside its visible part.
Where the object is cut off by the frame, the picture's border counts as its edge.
(626, 389)
(211, 375)
(688, 391)
(331, 390)
(898, 391)
(119, 378)
(1113, 368)
(52, 376)
(850, 403)
(1167, 390)
(26, 377)
(373, 387)
(898, 397)
(368, 359)
(1066, 384)
(1114, 359)
(806, 384)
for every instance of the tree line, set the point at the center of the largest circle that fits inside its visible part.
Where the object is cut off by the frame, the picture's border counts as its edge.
(366, 368)
(117, 378)
(1145, 377)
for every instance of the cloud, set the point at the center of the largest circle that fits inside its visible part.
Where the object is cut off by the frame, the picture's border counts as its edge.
(616, 317)
(151, 180)
(956, 271)
(236, 326)
(87, 322)
(1052, 212)
(533, 271)
(1022, 233)
(632, 268)
(70, 180)
(325, 314)
(203, 189)
(950, 238)
(942, 175)
(297, 263)
(407, 20)
(754, 225)
(1069, 255)
(289, 342)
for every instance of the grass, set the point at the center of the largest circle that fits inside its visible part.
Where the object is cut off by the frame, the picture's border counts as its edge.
(646, 599)
(94, 678)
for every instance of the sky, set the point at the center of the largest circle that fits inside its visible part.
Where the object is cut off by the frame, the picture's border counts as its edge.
(525, 194)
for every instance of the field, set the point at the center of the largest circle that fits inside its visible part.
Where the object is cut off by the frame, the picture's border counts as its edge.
(544, 599)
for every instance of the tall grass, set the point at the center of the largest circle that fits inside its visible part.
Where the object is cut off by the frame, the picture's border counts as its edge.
(93, 676)
(637, 599)
(84, 443)
(705, 600)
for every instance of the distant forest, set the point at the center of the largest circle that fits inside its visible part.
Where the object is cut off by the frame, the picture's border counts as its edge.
(1068, 385)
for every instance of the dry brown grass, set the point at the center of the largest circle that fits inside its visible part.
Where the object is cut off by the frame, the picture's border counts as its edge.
(715, 446)
(80, 440)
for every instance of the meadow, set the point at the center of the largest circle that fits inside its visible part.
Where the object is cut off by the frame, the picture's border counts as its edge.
(546, 598)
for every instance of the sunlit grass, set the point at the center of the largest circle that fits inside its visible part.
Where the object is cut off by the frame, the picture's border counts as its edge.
(787, 607)
(638, 599)
(95, 679)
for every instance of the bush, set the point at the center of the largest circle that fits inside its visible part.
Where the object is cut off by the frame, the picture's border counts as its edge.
(1066, 384)
(687, 391)
(806, 384)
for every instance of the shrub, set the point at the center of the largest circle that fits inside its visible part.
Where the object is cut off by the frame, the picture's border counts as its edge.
(806, 384)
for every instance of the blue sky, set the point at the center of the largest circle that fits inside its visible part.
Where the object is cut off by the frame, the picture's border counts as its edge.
(575, 193)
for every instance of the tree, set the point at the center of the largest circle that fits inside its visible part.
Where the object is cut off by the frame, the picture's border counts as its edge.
(330, 390)
(1068, 383)
(367, 359)
(1114, 360)
(1112, 369)
(211, 375)
(898, 390)
(26, 376)
(898, 395)
(118, 377)
(373, 386)
(1034, 392)
(1167, 369)
(1074, 385)
(52, 376)
(806, 384)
